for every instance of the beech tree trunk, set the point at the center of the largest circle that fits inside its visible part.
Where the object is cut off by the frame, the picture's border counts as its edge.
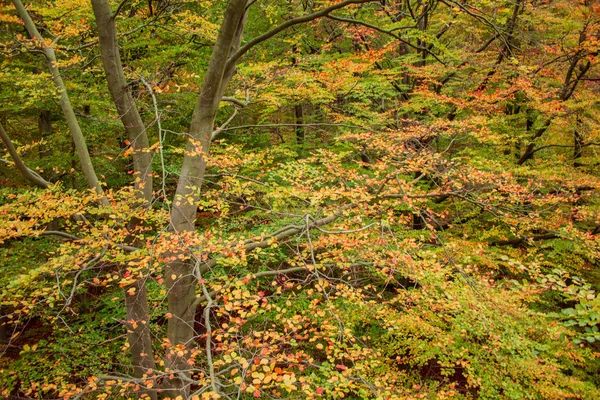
(64, 100)
(180, 278)
(138, 331)
(121, 95)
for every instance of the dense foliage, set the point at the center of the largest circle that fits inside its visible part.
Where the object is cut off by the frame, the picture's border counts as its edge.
(303, 199)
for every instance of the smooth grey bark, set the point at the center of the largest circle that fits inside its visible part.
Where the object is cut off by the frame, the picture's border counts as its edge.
(180, 275)
(139, 336)
(138, 330)
(180, 279)
(183, 215)
(29, 174)
(123, 99)
(65, 103)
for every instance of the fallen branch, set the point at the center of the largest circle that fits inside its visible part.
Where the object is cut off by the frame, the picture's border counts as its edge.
(522, 240)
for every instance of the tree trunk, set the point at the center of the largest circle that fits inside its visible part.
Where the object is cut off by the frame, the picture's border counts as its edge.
(180, 275)
(530, 150)
(65, 103)
(73, 166)
(577, 143)
(45, 128)
(121, 95)
(138, 330)
(300, 132)
(3, 327)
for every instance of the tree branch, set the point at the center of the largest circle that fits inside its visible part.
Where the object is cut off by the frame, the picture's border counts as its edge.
(288, 24)
(279, 235)
(65, 102)
(463, 7)
(524, 239)
(261, 274)
(235, 101)
(385, 31)
(119, 9)
(563, 146)
(225, 124)
(28, 173)
(487, 44)
(294, 125)
(70, 237)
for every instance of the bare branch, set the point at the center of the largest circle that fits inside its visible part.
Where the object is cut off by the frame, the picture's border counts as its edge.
(68, 236)
(288, 24)
(119, 9)
(224, 126)
(206, 296)
(387, 32)
(235, 101)
(563, 146)
(294, 125)
(487, 44)
(28, 173)
(464, 8)
(523, 240)
(280, 234)
(160, 134)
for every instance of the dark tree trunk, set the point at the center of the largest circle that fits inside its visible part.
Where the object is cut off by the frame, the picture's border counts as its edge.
(577, 143)
(45, 129)
(300, 132)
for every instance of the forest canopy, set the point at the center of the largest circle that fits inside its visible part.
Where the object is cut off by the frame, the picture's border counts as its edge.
(303, 199)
